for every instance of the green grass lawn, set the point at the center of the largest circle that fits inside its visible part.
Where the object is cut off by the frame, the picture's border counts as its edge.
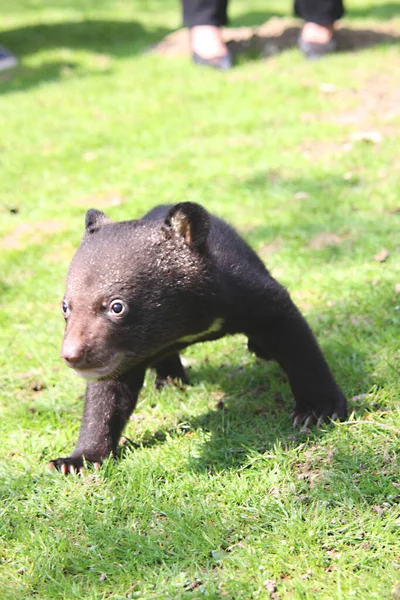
(215, 495)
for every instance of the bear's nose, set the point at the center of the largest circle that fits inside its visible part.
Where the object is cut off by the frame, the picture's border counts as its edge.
(72, 352)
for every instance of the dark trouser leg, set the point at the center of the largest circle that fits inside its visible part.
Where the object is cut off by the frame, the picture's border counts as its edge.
(204, 12)
(322, 12)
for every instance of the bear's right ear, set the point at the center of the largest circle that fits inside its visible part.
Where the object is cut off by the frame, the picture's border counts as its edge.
(95, 220)
(191, 222)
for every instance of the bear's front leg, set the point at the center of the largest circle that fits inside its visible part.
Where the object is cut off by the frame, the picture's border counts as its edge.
(108, 405)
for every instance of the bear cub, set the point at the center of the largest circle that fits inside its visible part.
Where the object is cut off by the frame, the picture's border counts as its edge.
(138, 292)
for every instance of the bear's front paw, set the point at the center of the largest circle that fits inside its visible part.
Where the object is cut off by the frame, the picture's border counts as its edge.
(72, 464)
(317, 414)
(304, 420)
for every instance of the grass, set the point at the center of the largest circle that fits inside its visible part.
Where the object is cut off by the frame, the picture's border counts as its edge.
(215, 495)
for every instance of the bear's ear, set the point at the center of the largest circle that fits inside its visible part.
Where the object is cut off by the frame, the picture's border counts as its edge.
(191, 221)
(95, 220)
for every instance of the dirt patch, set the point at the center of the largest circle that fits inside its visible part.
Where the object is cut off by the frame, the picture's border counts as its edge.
(267, 248)
(373, 118)
(315, 149)
(61, 254)
(278, 34)
(324, 239)
(107, 200)
(378, 102)
(27, 234)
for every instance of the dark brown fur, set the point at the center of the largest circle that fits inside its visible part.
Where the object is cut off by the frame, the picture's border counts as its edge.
(138, 292)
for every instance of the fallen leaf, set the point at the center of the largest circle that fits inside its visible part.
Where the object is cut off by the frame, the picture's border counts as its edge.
(360, 397)
(301, 195)
(306, 575)
(373, 137)
(395, 592)
(352, 178)
(218, 554)
(270, 586)
(233, 546)
(382, 255)
(89, 156)
(325, 238)
(271, 247)
(37, 386)
(131, 588)
(327, 88)
(103, 61)
(192, 585)
(378, 510)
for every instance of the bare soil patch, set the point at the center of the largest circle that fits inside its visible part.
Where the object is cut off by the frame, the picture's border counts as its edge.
(324, 239)
(377, 101)
(27, 234)
(106, 200)
(279, 34)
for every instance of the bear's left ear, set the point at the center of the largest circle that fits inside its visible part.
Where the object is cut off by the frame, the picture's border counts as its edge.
(95, 220)
(191, 221)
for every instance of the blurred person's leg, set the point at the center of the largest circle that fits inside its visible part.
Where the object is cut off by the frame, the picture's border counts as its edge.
(205, 18)
(317, 36)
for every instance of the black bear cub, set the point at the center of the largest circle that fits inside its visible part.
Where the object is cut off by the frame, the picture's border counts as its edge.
(139, 292)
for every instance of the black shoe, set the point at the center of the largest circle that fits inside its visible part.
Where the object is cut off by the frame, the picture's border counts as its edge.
(222, 63)
(313, 51)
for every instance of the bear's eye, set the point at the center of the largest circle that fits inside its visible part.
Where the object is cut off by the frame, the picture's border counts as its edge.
(118, 308)
(65, 309)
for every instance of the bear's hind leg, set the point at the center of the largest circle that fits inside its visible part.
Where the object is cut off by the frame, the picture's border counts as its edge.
(169, 368)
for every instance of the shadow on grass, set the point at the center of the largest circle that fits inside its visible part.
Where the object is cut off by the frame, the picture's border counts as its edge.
(276, 36)
(252, 411)
(348, 40)
(115, 38)
(4, 287)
